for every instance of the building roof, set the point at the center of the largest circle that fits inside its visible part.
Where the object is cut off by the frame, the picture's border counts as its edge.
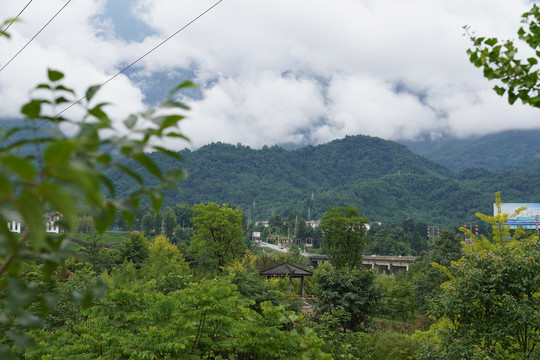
(285, 269)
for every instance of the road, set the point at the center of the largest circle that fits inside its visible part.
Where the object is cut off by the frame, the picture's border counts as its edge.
(279, 248)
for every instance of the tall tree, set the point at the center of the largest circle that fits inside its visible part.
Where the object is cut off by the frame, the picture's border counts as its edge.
(134, 249)
(164, 260)
(169, 222)
(184, 213)
(344, 236)
(353, 290)
(427, 279)
(158, 222)
(217, 237)
(148, 223)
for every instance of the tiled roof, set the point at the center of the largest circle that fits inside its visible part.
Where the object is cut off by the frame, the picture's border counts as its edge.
(286, 269)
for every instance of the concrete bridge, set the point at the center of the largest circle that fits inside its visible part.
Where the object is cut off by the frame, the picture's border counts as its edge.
(385, 264)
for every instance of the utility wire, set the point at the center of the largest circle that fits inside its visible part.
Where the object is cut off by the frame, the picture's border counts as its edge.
(15, 18)
(141, 57)
(136, 61)
(33, 37)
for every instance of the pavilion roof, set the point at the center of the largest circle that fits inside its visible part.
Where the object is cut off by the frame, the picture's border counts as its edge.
(286, 269)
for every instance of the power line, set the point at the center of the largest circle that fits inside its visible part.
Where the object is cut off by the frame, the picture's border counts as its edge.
(137, 60)
(15, 18)
(143, 56)
(33, 37)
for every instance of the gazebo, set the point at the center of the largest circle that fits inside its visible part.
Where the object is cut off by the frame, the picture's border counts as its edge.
(289, 270)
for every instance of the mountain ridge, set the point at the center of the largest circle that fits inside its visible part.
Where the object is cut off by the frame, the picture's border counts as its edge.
(511, 149)
(384, 179)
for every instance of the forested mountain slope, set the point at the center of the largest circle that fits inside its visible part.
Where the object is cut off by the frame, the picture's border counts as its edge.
(505, 150)
(385, 180)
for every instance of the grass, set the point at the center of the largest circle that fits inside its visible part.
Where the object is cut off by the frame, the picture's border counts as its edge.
(109, 237)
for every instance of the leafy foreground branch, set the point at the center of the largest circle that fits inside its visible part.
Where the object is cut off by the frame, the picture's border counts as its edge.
(54, 173)
(518, 78)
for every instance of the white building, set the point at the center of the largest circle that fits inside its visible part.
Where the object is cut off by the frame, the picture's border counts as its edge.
(51, 226)
(14, 226)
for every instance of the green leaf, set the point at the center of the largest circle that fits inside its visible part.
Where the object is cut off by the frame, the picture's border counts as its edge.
(177, 135)
(20, 339)
(54, 75)
(97, 112)
(5, 185)
(63, 88)
(173, 103)
(109, 184)
(157, 200)
(58, 152)
(185, 84)
(168, 121)
(169, 153)
(24, 168)
(512, 97)
(103, 220)
(32, 212)
(149, 164)
(130, 121)
(491, 41)
(92, 90)
(489, 73)
(48, 301)
(6, 353)
(131, 173)
(104, 158)
(29, 320)
(32, 109)
(175, 174)
(44, 86)
(499, 90)
(61, 100)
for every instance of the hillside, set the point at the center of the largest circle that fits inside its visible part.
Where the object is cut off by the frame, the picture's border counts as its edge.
(516, 149)
(385, 180)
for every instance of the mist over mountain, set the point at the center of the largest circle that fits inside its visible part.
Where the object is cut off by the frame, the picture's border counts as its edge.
(512, 149)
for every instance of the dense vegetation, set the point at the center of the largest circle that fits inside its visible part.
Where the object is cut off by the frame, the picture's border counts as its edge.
(384, 180)
(194, 291)
(387, 182)
(511, 149)
(193, 299)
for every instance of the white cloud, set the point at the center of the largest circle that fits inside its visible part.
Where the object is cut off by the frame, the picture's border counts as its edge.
(281, 71)
(363, 105)
(266, 109)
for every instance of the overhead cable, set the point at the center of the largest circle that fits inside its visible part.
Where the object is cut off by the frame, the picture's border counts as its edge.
(138, 59)
(33, 37)
(144, 55)
(14, 19)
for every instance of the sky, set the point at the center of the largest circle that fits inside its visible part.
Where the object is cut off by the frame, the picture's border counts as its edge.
(291, 72)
